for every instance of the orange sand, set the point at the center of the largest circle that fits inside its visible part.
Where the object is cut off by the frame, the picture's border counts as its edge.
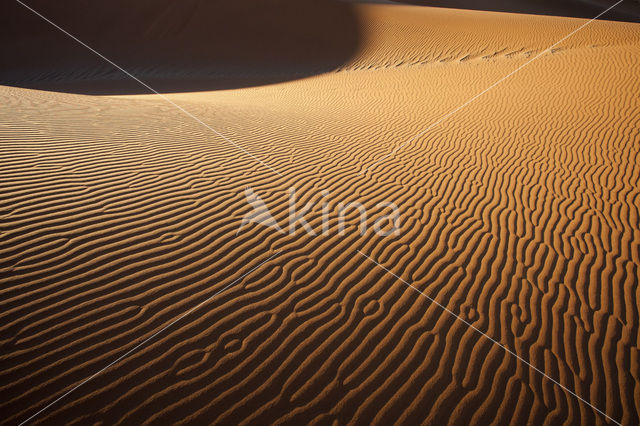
(520, 213)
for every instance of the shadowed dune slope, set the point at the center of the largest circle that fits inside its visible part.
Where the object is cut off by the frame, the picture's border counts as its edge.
(172, 45)
(520, 214)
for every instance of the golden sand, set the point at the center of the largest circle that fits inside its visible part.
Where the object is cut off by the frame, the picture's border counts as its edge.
(519, 213)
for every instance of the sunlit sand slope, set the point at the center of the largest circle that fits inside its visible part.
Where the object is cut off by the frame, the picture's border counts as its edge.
(519, 213)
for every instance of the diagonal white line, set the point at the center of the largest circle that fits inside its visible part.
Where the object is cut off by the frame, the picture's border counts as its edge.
(455, 110)
(151, 89)
(492, 340)
(139, 345)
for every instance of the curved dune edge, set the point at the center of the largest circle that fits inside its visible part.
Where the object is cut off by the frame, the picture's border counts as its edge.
(173, 46)
(520, 213)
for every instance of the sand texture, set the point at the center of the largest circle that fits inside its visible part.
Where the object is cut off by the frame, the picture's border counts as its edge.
(519, 213)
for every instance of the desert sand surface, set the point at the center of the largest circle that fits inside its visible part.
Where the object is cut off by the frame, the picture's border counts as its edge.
(518, 214)
(627, 11)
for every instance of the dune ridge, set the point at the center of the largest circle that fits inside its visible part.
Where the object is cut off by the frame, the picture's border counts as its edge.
(520, 214)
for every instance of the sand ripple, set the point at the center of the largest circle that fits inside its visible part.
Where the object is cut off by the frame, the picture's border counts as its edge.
(520, 214)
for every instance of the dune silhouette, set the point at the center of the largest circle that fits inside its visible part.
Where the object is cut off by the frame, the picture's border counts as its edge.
(628, 11)
(173, 46)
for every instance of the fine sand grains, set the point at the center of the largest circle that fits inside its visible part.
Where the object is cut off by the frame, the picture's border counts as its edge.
(520, 213)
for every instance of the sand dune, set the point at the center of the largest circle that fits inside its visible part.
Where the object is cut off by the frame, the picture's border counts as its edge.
(520, 213)
(628, 11)
(174, 46)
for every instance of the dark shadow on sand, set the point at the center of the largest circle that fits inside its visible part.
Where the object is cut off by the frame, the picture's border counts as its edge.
(173, 46)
